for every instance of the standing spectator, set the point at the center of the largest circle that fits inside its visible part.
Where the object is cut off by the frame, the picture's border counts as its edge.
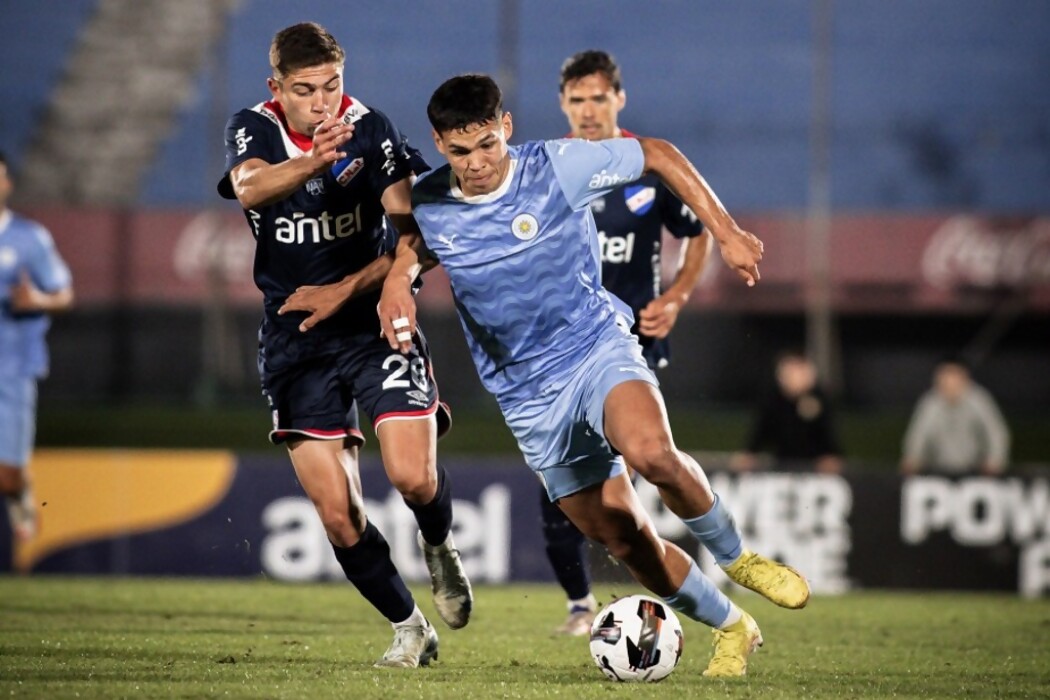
(795, 422)
(956, 427)
(34, 282)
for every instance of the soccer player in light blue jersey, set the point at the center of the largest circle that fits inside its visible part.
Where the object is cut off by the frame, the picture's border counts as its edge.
(512, 228)
(34, 282)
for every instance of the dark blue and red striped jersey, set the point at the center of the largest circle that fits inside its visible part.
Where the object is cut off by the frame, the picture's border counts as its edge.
(333, 225)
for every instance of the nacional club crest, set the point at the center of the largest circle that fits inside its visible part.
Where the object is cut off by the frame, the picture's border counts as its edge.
(315, 186)
(525, 227)
(639, 198)
(598, 205)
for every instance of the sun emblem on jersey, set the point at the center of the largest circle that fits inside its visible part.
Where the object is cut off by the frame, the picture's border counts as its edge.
(525, 226)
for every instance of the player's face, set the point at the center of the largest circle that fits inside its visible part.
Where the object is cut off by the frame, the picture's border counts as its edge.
(308, 96)
(591, 105)
(478, 154)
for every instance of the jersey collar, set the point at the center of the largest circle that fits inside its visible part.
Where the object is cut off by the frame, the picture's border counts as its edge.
(483, 198)
(302, 141)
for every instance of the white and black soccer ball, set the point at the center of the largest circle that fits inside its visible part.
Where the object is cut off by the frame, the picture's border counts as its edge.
(636, 638)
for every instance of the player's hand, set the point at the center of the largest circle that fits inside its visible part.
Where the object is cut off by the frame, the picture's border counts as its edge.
(742, 251)
(397, 315)
(319, 302)
(658, 317)
(25, 296)
(328, 137)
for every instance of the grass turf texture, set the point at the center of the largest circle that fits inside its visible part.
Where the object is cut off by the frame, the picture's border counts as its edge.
(105, 638)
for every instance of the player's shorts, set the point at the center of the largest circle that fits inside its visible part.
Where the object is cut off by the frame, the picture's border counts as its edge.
(316, 383)
(17, 420)
(561, 433)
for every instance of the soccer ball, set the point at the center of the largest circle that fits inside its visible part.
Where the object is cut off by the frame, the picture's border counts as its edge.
(636, 638)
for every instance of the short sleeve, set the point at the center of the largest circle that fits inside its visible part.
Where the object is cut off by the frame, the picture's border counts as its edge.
(246, 138)
(587, 170)
(391, 159)
(47, 269)
(676, 217)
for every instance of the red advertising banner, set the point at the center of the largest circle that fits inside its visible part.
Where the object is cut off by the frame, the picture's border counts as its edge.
(877, 263)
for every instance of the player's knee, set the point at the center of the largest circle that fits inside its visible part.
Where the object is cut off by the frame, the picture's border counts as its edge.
(415, 485)
(342, 528)
(12, 481)
(655, 458)
(626, 546)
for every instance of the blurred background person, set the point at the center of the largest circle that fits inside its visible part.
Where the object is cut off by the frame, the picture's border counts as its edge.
(794, 423)
(956, 427)
(34, 282)
(631, 221)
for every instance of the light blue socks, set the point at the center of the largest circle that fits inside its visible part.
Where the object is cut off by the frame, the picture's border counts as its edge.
(717, 530)
(699, 599)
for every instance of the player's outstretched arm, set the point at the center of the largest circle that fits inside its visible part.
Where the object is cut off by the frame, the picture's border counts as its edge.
(257, 183)
(741, 250)
(397, 306)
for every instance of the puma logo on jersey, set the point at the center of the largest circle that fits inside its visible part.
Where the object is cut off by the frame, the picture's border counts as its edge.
(616, 249)
(315, 229)
(447, 240)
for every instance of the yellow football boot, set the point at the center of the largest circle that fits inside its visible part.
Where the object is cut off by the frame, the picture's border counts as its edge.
(733, 646)
(777, 582)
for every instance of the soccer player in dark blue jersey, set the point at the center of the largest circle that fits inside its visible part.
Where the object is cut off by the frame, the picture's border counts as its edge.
(512, 228)
(320, 176)
(631, 220)
(34, 283)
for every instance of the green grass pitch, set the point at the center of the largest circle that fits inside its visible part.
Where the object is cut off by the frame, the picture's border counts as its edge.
(172, 638)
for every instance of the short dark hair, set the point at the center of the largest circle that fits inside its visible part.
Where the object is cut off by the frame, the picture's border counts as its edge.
(463, 101)
(3, 158)
(589, 62)
(303, 45)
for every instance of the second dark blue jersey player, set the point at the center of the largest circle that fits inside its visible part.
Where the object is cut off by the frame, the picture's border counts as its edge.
(631, 221)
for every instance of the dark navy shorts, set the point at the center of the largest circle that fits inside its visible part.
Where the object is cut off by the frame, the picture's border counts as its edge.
(315, 383)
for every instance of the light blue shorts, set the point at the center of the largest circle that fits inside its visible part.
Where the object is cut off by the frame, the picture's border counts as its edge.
(17, 419)
(561, 433)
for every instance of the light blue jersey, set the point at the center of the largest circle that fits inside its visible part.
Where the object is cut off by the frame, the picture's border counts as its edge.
(26, 248)
(524, 260)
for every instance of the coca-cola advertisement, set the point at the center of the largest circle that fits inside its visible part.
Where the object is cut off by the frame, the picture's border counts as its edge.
(875, 263)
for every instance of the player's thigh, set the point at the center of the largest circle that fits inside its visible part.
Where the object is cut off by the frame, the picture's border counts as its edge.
(17, 422)
(609, 512)
(409, 449)
(635, 420)
(301, 380)
(398, 393)
(329, 473)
